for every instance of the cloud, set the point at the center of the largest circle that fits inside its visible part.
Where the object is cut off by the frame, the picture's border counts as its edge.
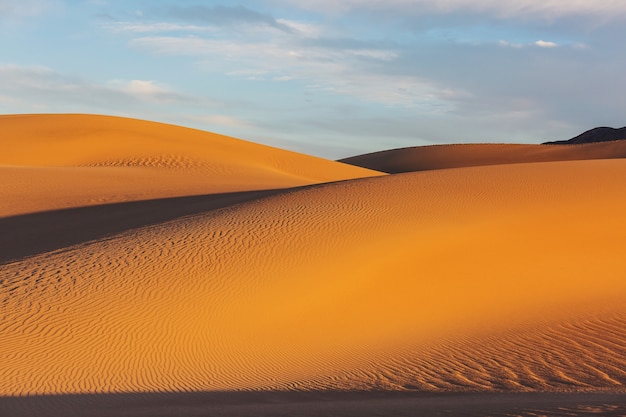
(308, 30)
(509, 44)
(549, 9)
(158, 27)
(35, 88)
(329, 69)
(390, 74)
(25, 8)
(540, 43)
(546, 44)
(150, 91)
(226, 16)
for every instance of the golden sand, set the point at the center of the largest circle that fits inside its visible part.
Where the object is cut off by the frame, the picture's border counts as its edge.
(60, 161)
(488, 278)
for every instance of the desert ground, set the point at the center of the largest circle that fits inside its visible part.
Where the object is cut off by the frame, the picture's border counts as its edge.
(154, 270)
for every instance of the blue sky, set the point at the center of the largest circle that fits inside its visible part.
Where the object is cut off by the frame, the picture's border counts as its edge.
(330, 78)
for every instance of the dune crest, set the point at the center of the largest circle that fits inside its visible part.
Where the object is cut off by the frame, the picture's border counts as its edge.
(60, 161)
(392, 282)
(425, 158)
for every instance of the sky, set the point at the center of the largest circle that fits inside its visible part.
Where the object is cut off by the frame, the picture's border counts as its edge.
(332, 78)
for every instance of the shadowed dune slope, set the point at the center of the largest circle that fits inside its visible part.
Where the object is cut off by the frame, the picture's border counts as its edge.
(424, 158)
(61, 161)
(34, 233)
(489, 278)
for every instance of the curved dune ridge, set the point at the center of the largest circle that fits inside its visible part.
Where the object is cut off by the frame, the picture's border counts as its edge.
(59, 161)
(425, 158)
(507, 277)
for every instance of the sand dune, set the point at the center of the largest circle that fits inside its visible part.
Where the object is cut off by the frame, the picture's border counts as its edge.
(506, 277)
(61, 161)
(424, 158)
(33, 233)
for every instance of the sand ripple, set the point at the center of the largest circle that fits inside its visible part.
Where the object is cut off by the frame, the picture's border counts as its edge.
(497, 278)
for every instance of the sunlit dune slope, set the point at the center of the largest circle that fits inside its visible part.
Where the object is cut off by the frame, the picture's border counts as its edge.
(424, 158)
(488, 278)
(57, 161)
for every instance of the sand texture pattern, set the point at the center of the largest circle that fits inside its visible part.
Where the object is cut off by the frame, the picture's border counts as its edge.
(507, 277)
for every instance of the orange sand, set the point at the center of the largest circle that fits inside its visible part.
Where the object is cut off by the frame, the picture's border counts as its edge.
(424, 158)
(59, 161)
(488, 278)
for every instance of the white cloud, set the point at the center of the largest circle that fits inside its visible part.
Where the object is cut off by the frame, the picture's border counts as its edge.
(283, 78)
(159, 27)
(542, 44)
(308, 30)
(25, 7)
(373, 54)
(331, 70)
(509, 44)
(149, 91)
(501, 8)
(546, 44)
(142, 87)
(225, 16)
(33, 87)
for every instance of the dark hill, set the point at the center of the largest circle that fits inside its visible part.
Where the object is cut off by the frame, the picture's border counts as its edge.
(599, 134)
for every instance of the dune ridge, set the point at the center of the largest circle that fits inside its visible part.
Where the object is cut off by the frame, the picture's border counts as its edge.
(424, 158)
(52, 161)
(392, 282)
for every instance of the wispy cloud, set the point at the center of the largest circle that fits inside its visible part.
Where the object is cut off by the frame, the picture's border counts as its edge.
(38, 87)
(25, 8)
(158, 27)
(510, 44)
(353, 74)
(540, 43)
(503, 9)
(546, 44)
(308, 30)
(225, 16)
(150, 91)
(345, 71)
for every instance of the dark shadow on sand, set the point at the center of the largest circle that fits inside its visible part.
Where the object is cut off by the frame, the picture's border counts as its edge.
(309, 404)
(31, 234)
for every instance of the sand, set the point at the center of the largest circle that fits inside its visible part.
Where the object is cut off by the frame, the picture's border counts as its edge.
(424, 158)
(406, 294)
(62, 161)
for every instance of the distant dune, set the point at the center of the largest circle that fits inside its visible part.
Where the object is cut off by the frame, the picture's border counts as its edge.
(424, 158)
(598, 134)
(148, 269)
(61, 161)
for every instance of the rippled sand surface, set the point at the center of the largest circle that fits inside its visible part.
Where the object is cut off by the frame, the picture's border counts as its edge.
(476, 281)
